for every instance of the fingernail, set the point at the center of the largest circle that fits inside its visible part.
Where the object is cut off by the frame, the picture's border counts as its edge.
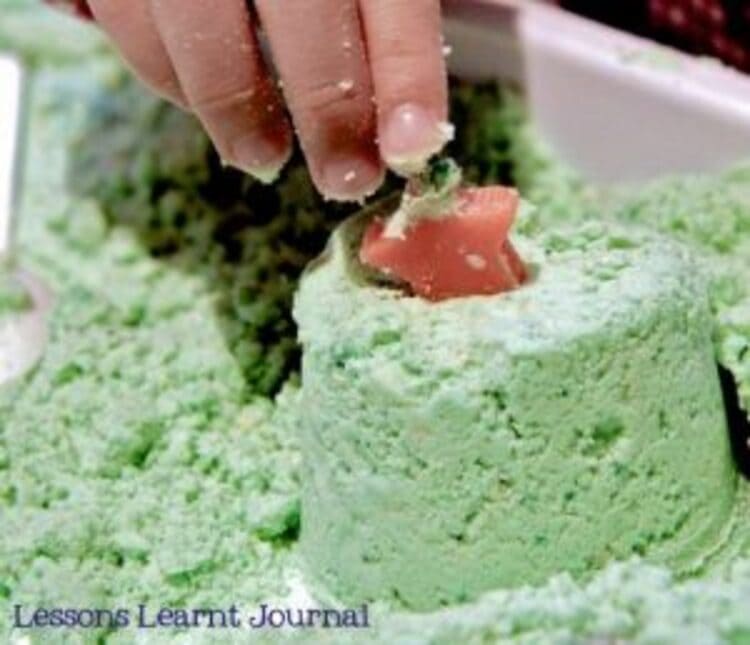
(411, 136)
(351, 178)
(261, 156)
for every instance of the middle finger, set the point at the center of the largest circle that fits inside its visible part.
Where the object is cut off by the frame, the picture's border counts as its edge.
(319, 50)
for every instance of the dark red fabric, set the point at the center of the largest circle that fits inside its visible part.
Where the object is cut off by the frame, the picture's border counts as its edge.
(79, 8)
(719, 28)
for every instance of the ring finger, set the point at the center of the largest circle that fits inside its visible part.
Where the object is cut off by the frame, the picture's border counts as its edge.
(214, 48)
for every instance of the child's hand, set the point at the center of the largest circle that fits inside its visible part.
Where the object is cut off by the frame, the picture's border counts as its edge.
(364, 80)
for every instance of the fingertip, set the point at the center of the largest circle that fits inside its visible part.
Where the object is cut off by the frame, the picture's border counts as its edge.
(263, 156)
(258, 152)
(410, 136)
(349, 178)
(410, 80)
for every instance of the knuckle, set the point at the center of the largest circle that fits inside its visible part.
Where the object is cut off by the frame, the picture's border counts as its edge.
(224, 94)
(409, 72)
(212, 97)
(400, 53)
(333, 101)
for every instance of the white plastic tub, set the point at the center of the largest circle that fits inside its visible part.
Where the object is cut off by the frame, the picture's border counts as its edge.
(615, 106)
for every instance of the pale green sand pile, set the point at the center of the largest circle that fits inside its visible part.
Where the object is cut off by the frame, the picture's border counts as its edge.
(481, 443)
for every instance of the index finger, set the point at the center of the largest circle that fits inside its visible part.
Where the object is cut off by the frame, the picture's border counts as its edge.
(405, 46)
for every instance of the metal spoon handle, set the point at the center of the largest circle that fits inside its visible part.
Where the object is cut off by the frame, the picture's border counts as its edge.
(11, 90)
